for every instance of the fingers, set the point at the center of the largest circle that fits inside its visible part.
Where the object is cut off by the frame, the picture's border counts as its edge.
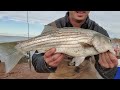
(53, 59)
(102, 61)
(50, 52)
(115, 49)
(108, 60)
(114, 59)
(48, 55)
(57, 61)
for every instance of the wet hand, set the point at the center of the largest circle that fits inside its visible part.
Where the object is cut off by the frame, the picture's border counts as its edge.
(53, 59)
(108, 60)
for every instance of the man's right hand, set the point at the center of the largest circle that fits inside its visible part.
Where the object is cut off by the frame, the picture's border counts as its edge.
(53, 59)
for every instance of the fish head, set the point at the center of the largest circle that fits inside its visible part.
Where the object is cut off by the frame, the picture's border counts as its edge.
(102, 43)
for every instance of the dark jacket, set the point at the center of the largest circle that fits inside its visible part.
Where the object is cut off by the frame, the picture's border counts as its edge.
(40, 65)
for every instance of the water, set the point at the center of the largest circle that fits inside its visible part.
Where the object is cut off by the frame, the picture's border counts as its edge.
(4, 38)
(7, 50)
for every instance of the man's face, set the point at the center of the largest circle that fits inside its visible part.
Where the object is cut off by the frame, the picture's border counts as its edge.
(78, 15)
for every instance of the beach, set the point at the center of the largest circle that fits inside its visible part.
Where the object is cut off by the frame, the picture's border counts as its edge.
(22, 71)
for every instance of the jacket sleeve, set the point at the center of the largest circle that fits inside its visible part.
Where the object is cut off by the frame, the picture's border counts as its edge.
(107, 73)
(39, 64)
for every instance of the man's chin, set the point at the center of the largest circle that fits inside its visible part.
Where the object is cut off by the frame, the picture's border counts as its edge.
(80, 19)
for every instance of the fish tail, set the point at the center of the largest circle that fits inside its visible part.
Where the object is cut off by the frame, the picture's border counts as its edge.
(10, 55)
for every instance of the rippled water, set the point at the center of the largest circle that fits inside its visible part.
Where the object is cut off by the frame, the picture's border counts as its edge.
(11, 38)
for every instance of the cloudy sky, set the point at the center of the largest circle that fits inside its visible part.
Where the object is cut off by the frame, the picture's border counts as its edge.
(15, 22)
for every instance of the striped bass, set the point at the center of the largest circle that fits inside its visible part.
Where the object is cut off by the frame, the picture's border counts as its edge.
(76, 42)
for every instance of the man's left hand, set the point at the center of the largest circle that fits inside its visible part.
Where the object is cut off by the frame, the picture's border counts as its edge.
(108, 60)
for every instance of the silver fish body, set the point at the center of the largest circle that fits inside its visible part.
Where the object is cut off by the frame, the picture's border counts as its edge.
(76, 42)
(71, 41)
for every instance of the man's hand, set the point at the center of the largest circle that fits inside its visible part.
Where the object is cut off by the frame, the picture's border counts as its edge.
(53, 59)
(108, 60)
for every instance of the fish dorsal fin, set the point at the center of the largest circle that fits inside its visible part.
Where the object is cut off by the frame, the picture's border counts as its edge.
(75, 29)
(71, 27)
(49, 29)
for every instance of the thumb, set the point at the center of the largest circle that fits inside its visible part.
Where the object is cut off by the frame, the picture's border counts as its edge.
(117, 51)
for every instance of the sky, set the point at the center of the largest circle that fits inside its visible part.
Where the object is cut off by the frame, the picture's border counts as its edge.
(15, 22)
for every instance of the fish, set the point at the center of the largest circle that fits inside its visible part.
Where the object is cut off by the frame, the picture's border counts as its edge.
(72, 41)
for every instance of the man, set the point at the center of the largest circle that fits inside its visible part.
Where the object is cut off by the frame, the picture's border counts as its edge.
(106, 63)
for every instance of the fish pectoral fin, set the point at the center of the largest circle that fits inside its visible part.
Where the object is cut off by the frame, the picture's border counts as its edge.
(85, 45)
(76, 61)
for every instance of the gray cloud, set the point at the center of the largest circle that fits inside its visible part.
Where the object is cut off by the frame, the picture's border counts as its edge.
(107, 19)
(42, 17)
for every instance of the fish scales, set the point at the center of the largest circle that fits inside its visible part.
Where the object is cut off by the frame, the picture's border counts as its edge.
(63, 38)
(76, 42)
(55, 39)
